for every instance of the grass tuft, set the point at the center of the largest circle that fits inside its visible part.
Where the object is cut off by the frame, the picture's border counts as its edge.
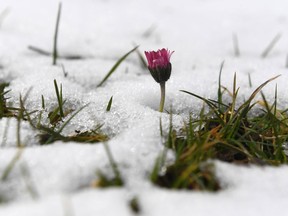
(50, 135)
(189, 170)
(228, 133)
(245, 139)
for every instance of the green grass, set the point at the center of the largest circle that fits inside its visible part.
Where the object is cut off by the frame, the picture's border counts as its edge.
(5, 110)
(109, 105)
(227, 132)
(116, 65)
(55, 50)
(49, 135)
(134, 205)
(104, 181)
(271, 45)
(54, 54)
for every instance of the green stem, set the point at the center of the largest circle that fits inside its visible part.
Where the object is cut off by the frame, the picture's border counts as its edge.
(162, 101)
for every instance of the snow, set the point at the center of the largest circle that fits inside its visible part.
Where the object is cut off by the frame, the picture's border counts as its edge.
(200, 32)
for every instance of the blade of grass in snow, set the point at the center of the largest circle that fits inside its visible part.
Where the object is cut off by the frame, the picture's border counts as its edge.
(256, 92)
(109, 104)
(249, 80)
(47, 53)
(28, 181)
(43, 102)
(188, 171)
(219, 85)
(212, 106)
(134, 205)
(12, 163)
(3, 15)
(20, 116)
(40, 51)
(51, 134)
(55, 51)
(3, 108)
(149, 31)
(103, 180)
(271, 45)
(114, 166)
(69, 119)
(59, 98)
(64, 71)
(5, 132)
(115, 66)
(141, 59)
(236, 45)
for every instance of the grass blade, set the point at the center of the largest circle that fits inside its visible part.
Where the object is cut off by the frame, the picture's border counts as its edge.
(55, 52)
(217, 112)
(115, 66)
(219, 85)
(43, 102)
(12, 163)
(257, 91)
(3, 15)
(250, 80)
(236, 45)
(271, 45)
(39, 50)
(56, 134)
(118, 179)
(109, 104)
(68, 120)
(141, 59)
(59, 98)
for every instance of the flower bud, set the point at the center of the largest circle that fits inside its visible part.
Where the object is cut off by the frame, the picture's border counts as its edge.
(159, 64)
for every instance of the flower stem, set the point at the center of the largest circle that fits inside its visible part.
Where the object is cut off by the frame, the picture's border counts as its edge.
(162, 101)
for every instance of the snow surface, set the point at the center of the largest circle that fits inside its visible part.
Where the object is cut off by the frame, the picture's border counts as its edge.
(200, 32)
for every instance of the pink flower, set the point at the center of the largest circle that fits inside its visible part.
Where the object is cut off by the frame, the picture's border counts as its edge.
(159, 64)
